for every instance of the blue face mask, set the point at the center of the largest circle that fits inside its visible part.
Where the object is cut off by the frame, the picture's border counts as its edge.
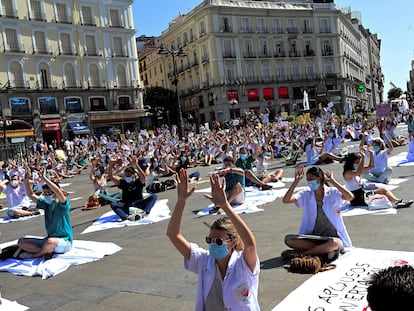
(183, 159)
(313, 185)
(155, 164)
(266, 154)
(128, 180)
(218, 251)
(375, 148)
(243, 156)
(49, 199)
(98, 174)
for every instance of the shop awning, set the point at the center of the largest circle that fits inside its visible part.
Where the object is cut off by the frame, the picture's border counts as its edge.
(232, 95)
(268, 93)
(79, 128)
(252, 95)
(51, 126)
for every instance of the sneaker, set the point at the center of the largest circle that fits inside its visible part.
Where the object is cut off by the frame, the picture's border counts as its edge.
(266, 187)
(35, 213)
(214, 210)
(291, 253)
(134, 217)
(403, 203)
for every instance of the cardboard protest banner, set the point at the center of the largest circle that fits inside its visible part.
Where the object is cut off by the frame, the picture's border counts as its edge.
(383, 110)
(300, 120)
(112, 145)
(343, 288)
(307, 117)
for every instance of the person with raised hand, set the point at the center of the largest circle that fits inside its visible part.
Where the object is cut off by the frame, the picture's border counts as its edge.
(57, 221)
(229, 270)
(322, 231)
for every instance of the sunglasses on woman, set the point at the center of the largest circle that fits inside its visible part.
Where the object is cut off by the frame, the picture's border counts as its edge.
(217, 241)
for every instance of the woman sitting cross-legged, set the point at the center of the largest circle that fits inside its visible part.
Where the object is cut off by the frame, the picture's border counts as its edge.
(353, 168)
(322, 231)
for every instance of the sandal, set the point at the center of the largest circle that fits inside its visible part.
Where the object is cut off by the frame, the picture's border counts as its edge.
(291, 253)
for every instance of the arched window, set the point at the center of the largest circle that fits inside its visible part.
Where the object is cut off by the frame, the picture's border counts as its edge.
(16, 75)
(122, 77)
(94, 80)
(70, 76)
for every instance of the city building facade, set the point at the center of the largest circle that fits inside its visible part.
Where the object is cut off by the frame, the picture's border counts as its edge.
(253, 55)
(69, 67)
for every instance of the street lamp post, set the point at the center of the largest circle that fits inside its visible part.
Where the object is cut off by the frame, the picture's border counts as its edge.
(174, 53)
(4, 123)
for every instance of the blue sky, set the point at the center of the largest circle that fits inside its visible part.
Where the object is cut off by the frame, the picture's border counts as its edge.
(391, 20)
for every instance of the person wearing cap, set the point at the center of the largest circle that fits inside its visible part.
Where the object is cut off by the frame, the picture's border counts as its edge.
(19, 204)
(132, 186)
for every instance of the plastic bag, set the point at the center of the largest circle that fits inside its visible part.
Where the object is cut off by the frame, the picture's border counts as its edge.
(378, 201)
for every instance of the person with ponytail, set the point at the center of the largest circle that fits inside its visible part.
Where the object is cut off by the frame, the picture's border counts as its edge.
(322, 231)
(229, 270)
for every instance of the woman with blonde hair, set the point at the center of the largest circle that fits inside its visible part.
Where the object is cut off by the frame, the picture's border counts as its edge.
(229, 270)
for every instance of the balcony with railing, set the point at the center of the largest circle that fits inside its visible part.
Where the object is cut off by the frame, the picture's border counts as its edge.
(64, 19)
(93, 52)
(292, 29)
(246, 29)
(327, 51)
(294, 54)
(36, 15)
(226, 29)
(249, 54)
(88, 21)
(229, 54)
(264, 55)
(67, 51)
(120, 53)
(8, 12)
(14, 48)
(42, 49)
(262, 30)
(116, 24)
(205, 59)
(309, 53)
(19, 84)
(307, 29)
(280, 54)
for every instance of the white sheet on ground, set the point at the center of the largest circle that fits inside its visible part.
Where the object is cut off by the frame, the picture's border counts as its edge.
(82, 252)
(110, 220)
(6, 219)
(7, 305)
(254, 198)
(349, 210)
(399, 160)
(345, 287)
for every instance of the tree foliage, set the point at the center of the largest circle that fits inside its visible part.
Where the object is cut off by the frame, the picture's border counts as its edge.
(394, 93)
(159, 97)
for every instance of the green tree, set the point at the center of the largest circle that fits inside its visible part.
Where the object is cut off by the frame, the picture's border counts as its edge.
(394, 93)
(159, 97)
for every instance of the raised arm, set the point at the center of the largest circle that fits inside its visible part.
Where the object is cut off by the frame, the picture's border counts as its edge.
(115, 178)
(52, 186)
(219, 198)
(173, 230)
(346, 194)
(299, 173)
(28, 186)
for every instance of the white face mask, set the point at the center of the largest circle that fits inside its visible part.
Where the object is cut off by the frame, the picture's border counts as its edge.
(356, 166)
(14, 183)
